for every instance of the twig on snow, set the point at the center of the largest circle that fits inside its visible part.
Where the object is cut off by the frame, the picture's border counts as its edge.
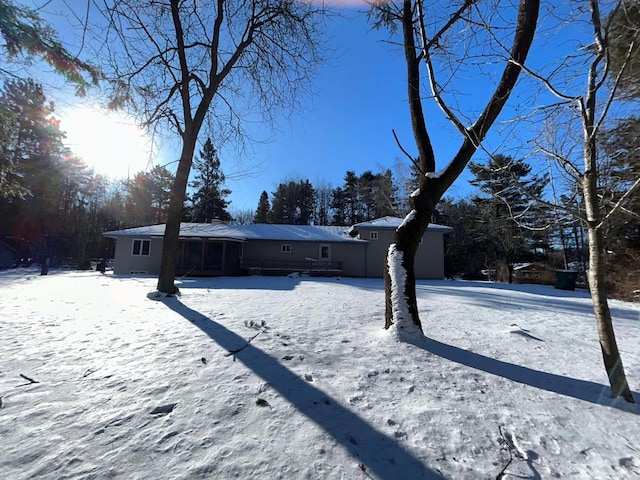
(514, 450)
(29, 379)
(363, 467)
(237, 350)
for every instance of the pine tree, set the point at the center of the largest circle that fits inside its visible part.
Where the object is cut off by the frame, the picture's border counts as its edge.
(208, 202)
(293, 203)
(506, 210)
(339, 207)
(26, 34)
(624, 32)
(148, 196)
(262, 212)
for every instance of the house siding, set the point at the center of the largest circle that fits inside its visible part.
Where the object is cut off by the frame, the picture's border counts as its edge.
(125, 263)
(258, 248)
(269, 252)
(429, 263)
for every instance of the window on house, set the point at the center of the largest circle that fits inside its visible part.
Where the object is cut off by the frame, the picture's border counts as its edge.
(141, 247)
(325, 252)
(373, 235)
(285, 248)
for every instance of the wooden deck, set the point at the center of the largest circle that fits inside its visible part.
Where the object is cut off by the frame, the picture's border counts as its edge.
(311, 268)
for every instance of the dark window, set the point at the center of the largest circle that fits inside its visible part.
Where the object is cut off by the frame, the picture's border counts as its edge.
(141, 247)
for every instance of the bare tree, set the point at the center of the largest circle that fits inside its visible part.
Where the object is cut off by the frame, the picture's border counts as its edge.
(593, 196)
(183, 65)
(422, 43)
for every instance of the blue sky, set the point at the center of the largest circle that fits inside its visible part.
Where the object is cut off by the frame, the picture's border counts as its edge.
(346, 123)
(359, 98)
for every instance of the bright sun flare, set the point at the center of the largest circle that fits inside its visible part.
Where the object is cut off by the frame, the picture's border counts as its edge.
(109, 142)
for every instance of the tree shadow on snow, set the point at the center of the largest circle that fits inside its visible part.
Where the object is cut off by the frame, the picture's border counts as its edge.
(570, 387)
(381, 455)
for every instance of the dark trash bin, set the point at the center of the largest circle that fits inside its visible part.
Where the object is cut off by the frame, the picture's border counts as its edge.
(566, 279)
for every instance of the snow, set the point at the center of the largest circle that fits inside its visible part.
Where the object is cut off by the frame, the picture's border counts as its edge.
(316, 389)
(258, 231)
(403, 328)
(435, 174)
(408, 218)
(395, 222)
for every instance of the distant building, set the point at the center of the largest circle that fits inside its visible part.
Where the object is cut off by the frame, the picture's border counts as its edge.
(214, 249)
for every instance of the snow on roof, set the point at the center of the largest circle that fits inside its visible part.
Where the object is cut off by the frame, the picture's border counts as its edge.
(208, 230)
(310, 233)
(394, 222)
(220, 230)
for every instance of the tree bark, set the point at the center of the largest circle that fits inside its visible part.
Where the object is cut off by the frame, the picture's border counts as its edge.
(596, 275)
(609, 346)
(166, 279)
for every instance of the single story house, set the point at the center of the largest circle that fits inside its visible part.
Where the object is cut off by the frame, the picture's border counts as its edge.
(216, 248)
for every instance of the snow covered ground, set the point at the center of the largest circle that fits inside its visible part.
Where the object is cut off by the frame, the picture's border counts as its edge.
(130, 386)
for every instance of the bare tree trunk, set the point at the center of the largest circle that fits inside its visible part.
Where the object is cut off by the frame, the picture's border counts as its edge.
(176, 208)
(596, 275)
(401, 307)
(610, 353)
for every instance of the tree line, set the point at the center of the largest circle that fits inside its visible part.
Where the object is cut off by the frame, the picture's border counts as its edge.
(53, 205)
(360, 198)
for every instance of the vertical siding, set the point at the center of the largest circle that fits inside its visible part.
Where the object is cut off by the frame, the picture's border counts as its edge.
(429, 258)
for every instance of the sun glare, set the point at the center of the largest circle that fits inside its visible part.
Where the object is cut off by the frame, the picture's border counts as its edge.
(109, 142)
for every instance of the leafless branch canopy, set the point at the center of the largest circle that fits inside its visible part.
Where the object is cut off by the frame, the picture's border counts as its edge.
(184, 63)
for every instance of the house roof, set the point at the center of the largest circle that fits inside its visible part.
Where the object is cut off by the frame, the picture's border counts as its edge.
(222, 231)
(191, 230)
(309, 233)
(394, 222)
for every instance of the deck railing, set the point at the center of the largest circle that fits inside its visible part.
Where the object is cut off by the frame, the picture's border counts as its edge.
(271, 267)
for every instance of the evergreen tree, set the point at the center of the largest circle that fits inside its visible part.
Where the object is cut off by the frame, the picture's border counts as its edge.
(25, 33)
(506, 210)
(351, 202)
(624, 33)
(293, 203)
(468, 249)
(306, 210)
(148, 196)
(208, 202)
(323, 199)
(283, 204)
(49, 199)
(621, 145)
(386, 195)
(262, 212)
(31, 138)
(339, 207)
